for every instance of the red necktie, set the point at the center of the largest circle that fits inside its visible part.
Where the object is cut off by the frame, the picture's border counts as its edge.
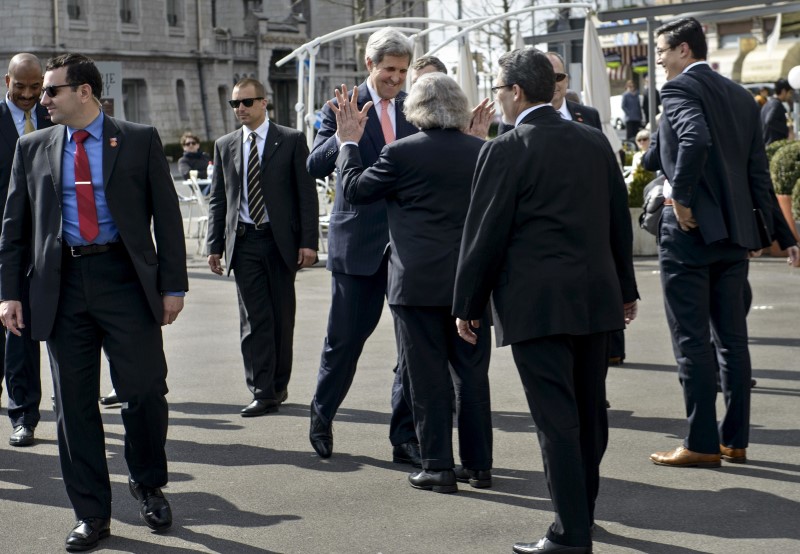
(386, 122)
(84, 192)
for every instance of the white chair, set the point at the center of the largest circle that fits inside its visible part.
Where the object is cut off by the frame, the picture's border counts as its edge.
(189, 201)
(325, 193)
(202, 219)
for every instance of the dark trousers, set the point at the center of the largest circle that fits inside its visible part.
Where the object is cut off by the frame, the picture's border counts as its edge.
(704, 286)
(631, 128)
(265, 289)
(356, 307)
(564, 381)
(431, 353)
(102, 306)
(22, 367)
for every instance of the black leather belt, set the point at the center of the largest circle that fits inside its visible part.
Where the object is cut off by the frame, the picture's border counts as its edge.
(243, 228)
(90, 249)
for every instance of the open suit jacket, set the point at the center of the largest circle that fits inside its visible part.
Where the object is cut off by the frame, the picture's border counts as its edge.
(139, 190)
(358, 235)
(556, 263)
(711, 149)
(8, 141)
(289, 193)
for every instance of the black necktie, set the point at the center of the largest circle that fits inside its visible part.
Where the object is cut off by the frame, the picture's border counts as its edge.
(254, 197)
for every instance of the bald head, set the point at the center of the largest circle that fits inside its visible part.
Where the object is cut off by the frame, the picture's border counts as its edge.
(24, 80)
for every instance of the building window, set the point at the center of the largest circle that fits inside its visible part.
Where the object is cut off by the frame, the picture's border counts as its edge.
(180, 91)
(224, 108)
(134, 100)
(128, 12)
(76, 10)
(175, 13)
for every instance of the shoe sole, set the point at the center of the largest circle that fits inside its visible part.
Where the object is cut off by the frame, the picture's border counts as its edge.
(83, 548)
(22, 443)
(693, 464)
(443, 489)
(256, 414)
(738, 460)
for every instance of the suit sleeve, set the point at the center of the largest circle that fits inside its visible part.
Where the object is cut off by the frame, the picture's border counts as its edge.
(16, 234)
(366, 186)
(322, 159)
(217, 207)
(651, 159)
(308, 202)
(486, 231)
(684, 112)
(761, 191)
(167, 222)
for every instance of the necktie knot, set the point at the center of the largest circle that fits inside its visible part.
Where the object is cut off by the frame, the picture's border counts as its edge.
(253, 137)
(29, 128)
(80, 136)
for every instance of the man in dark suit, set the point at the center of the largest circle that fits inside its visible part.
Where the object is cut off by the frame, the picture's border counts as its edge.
(425, 180)
(20, 114)
(710, 148)
(262, 214)
(559, 221)
(773, 115)
(82, 198)
(358, 239)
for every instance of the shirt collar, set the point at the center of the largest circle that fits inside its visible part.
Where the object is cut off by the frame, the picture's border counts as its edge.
(95, 128)
(688, 67)
(16, 111)
(261, 132)
(525, 112)
(376, 100)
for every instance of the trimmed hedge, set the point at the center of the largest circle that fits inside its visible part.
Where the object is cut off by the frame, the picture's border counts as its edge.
(785, 168)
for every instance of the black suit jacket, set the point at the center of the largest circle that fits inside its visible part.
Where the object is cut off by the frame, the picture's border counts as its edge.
(584, 114)
(425, 179)
(711, 149)
(8, 142)
(357, 235)
(139, 191)
(773, 121)
(548, 233)
(290, 194)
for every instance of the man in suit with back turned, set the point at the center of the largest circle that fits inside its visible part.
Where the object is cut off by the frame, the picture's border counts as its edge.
(83, 198)
(710, 148)
(560, 220)
(262, 214)
(20, 114)
(358, 239)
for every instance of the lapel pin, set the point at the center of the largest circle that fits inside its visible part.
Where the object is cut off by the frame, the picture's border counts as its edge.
(113, 142)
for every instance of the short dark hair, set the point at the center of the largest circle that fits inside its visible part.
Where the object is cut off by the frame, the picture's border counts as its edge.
(425, 61)
(80, 70)
(688, 30)
(781, 85)
(530, 69)
(249, 81)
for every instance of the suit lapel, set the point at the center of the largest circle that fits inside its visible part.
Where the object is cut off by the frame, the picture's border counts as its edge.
(112, 141)
(55, 155)
(271, 143)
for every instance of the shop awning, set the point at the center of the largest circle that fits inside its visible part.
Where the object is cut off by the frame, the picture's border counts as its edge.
(627, 54)
(761, 66)
(728, 62)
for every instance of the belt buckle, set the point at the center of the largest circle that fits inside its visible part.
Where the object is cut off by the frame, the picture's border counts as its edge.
(74, 252)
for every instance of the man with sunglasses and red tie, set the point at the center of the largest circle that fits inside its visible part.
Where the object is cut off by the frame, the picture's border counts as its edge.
(20, 114)
(263, 215)
(82, 198)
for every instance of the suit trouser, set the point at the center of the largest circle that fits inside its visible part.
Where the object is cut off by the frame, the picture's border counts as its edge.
(22, 368)
(430, 347)
(102, 306)
(703, 290)
(564, 381)
(356, 307)
(265, 289)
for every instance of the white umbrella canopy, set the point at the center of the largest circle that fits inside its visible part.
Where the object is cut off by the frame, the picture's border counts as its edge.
(466, 72)
(596, 90)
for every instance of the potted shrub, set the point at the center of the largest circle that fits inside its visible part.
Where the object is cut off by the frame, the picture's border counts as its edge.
(796, 203)
(773, 147)
(785, 171)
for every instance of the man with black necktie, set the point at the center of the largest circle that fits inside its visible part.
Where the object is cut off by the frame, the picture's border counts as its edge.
(262, 214)
(20, 115)
(86, 198)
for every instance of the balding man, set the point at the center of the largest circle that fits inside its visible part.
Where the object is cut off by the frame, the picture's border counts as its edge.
(20, 114)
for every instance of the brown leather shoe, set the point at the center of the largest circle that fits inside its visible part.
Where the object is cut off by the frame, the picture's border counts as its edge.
(683, 457)
(733, 455)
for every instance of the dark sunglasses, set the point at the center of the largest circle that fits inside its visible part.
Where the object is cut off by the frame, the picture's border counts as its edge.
(248, 102)
(191, 142)
(560, 77)
(52, 90)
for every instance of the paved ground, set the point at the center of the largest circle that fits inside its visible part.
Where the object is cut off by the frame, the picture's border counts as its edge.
(255, 486)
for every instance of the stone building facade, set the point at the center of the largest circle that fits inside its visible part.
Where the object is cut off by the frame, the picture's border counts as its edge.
(180, 58)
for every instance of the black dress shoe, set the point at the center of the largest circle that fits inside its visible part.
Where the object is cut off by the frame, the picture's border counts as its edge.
(110, 400)
(87, 533)
(407, 453)
(22, 436)
(320, 435)
(436, 481)
(259, 407)
(546, 545)
(283, 396)
(154, 508)
(478, 479)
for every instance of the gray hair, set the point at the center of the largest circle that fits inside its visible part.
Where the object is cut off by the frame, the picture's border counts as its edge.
(388, 42)
(437, 102)
(532, 71)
